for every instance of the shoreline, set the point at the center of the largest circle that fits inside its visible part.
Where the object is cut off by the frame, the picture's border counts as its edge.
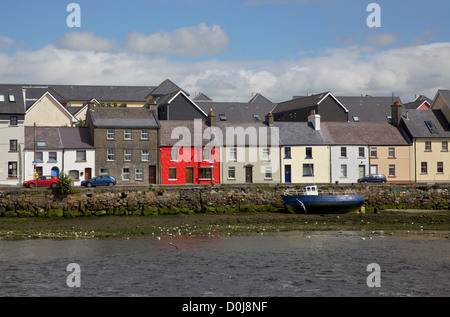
(424, 222)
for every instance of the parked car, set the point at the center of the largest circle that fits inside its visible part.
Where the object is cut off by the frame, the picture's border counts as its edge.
(43, 181)
(373, 178)
(101, 180)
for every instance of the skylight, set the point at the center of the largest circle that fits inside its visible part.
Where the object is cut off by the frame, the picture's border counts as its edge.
(431, 127)
(222, 117)
(256, 117)
(355, 118)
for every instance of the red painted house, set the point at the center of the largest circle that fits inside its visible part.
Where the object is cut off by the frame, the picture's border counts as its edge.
(185, 157)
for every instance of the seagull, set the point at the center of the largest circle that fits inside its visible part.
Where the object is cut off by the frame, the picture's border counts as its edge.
(170, 242)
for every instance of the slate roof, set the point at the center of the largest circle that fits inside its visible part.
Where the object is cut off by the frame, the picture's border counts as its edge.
(165, 88)
(168, 127)
(239, 132)
(58, 138)
(298, 133)
(12, 107)
(368, 108)
(361, 133)
(300, 102)
(237, 111)
(106, 117)
(416, 127)
(201, 97)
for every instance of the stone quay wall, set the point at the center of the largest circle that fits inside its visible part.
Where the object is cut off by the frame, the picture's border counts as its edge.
(21, 202)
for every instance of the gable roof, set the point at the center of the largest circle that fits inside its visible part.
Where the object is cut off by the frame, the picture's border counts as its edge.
(201, 97)
(258, 98)
(58, 104)
(237, 111)
(169, 126)
(361, 133)
(165, 88)
(15, 105)
(426, 124)
(308, 101)
(58, 138)
(298, 133)
(106, 117)
(368, 108)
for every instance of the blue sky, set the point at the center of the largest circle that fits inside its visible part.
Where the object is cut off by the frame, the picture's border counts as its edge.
(229, 49)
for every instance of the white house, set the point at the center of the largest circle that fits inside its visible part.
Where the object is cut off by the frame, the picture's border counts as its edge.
(50, 150)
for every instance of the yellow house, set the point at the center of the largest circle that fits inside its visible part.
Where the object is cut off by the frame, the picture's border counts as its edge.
(430, 132)
(304, 156)
(48, 111)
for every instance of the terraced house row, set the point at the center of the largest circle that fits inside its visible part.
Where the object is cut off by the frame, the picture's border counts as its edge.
(162, 135)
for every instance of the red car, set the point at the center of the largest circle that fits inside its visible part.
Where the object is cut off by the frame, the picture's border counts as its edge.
(43, 181)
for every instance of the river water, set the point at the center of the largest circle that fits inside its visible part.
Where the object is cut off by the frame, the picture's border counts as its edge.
(274, 265)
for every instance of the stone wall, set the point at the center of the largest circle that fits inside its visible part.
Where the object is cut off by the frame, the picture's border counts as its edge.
(218, 199)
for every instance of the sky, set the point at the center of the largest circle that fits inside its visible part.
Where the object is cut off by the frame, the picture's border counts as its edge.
(230, 49)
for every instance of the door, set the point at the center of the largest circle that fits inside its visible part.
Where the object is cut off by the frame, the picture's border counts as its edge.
(87, 173)
(189, 175)
(287, 174)
(362, 171)
(152, 174)
(249, 174)
(55, 171)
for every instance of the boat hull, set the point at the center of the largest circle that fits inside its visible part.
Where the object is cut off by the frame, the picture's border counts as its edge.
(323, 204)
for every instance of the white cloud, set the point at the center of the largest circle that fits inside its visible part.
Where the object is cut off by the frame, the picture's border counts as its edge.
(383, 39)
(5, 42)
(84, 41)
(187, 41)
(347, 71)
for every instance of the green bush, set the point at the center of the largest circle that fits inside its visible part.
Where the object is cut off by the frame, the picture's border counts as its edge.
(65, 185)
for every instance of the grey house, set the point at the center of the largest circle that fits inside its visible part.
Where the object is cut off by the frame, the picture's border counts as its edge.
(126, 143)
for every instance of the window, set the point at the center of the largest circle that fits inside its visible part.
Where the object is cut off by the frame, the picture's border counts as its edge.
(127, 155)
(308, 152)
(110, 134)
(127, 134)
(222, 117)
(231, 172)
(206, 154)
(431, 127)
(111, 155)
(2, 98)
(81, 156)
(444, 147)
(125, 174)
(38, 171)
(172, 173)
(343, 152)
(256, 117)
(308, 169)
(204, 173)
(144, 134)
(392, 170)
(104, 171)
(440, 167)
(52, 156)
(361, 152)
(144, 155)
(41, 143)
(233, 154)
(13, 120)
(287, 152)
(74, 175)
(266, 154)
(139, 175)
(391, 152)
(174, 154)
(13, 145)
(355, 118)
(12, 169)
(39, 157)
(343, 170)
(373, 152)
(424, 168)
(12, 98)
(427, 146)
(268, 174)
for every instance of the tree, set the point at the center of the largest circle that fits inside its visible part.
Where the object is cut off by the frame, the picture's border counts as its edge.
(65, 185)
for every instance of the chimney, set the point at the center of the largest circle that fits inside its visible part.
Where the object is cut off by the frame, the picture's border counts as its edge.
(396, 113)
(314, 119)
(212, 118)
(269, 119)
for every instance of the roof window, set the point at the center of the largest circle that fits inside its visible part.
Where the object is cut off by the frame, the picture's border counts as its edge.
(431, 127)
(12, 98)
(355, 118)
(41, 143)
(256, 117)
(2, 98)
(222, 117)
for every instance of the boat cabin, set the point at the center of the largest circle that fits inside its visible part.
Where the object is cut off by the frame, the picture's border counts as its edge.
(310, 190)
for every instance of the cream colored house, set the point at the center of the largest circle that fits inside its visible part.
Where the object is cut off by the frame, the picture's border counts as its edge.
(48, 111)
(304, 156)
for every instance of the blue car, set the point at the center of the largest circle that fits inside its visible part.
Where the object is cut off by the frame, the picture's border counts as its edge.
(373, 178)
(101, 180)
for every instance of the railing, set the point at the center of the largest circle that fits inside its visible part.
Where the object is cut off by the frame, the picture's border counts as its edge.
(295, 192)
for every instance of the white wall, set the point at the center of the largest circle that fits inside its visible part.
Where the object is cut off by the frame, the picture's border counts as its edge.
(353, 160)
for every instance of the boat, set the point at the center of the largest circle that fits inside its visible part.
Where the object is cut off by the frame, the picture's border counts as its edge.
(309, 200)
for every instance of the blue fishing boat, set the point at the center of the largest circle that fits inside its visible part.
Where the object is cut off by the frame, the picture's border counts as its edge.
(309, 200)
